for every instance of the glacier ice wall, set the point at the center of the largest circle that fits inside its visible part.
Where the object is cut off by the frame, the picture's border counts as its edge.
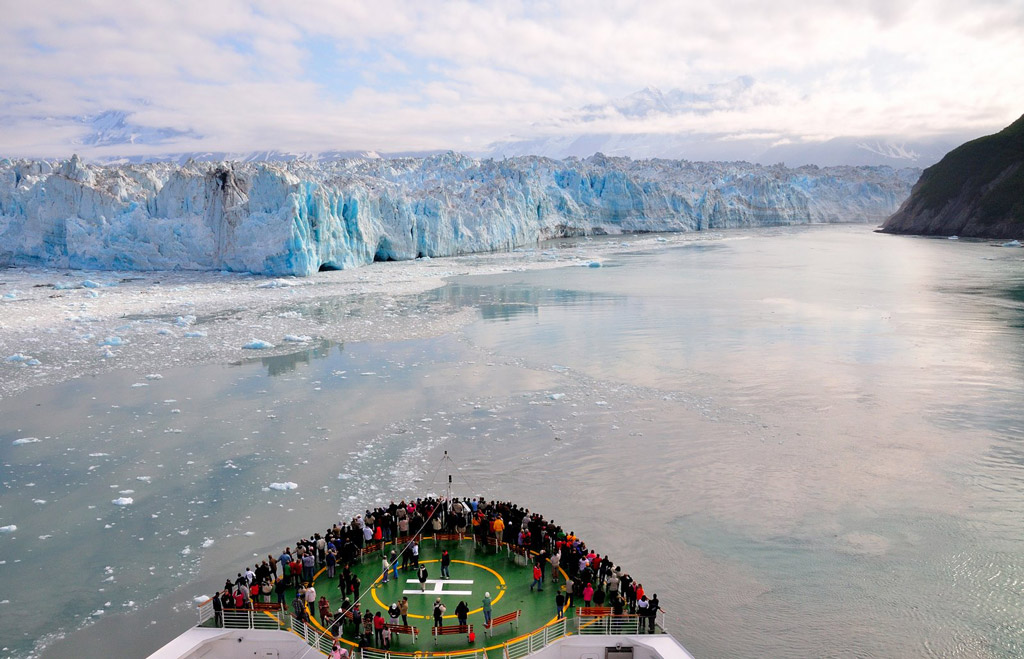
(298, 217)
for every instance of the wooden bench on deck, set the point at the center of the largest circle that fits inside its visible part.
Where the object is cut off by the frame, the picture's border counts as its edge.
(403, 629)
(501, 620)
(593, 611)
(266, 607)
(439, 537)
(448, 630)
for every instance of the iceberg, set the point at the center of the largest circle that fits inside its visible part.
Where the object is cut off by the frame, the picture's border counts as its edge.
(296, 218)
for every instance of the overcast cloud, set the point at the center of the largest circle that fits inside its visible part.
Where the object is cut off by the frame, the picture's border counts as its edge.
(391, 75)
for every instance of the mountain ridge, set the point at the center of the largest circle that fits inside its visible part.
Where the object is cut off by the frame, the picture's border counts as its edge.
(975, 191)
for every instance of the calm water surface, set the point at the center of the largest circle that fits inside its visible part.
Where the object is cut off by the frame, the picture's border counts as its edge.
(807, 442)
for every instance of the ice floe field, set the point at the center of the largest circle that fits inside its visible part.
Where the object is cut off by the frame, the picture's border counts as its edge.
(56, 325)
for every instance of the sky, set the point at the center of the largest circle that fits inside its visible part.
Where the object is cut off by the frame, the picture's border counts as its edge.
(419, 75)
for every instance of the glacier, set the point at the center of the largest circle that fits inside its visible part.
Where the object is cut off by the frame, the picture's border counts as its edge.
(296, 218)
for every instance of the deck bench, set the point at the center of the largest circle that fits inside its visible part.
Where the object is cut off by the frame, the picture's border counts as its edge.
(502, 619)
(593, 611)
(448, 630)
(403, 629)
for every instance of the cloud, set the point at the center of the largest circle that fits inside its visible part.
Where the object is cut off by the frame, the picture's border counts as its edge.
(406, 75)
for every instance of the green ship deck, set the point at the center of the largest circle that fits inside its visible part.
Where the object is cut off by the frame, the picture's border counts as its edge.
(475, 569)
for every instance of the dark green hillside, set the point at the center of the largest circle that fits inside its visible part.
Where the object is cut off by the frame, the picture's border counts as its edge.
(976, 190)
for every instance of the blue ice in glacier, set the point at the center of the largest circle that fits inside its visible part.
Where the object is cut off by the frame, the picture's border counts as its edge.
(299, 217)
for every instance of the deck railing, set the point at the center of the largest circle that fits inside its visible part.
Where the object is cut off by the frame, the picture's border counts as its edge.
(374, 653)
(312, 636)
(524, 645)
(239, 618)
(609, 624)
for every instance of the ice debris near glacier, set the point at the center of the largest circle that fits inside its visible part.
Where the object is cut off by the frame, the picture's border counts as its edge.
(299, 217)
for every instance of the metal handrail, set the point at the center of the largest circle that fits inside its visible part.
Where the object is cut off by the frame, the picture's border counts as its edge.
(525, 645)
(617, 624)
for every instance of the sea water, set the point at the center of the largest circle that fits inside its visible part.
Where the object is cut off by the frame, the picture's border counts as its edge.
(807, 442)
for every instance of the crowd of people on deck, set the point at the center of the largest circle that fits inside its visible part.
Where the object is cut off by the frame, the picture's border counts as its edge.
(590, 580)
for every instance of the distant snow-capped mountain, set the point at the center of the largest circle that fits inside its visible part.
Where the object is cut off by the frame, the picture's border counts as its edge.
(585, 133)
(113, 128)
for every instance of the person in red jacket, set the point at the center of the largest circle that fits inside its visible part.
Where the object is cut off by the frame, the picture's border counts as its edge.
(538, 578)
(378, 629)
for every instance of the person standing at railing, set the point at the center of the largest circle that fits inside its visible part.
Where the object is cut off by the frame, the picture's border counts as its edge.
(560, 605)
(653, 606)
(218, 610)
(642, 611)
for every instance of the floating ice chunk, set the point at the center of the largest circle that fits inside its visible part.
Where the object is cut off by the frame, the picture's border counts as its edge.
(10, 528)
(163, 331)
(1012, 243)
(111, 341)
(953, 238)
(140, 384)
(123, 501)
(276, 283)
(66, 285)
(98, 455)
(292, 338)
(184, 321)
(88, 283)
(195, 334)
(289, 314)
(154, 376)
(186, 551)
(257, 344)
(25, 440)
(556, 396)
(250, 533)
(17, 358)
(13, 295)
(39, 501)
(107, 353)
(144, 479)
(661, 240)
(199, 599)
(207, 543)
(283, 486)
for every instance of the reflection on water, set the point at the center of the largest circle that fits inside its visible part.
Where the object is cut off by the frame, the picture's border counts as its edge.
(496, 300)
(287, 363)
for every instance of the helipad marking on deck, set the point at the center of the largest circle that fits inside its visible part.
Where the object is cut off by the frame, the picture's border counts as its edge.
(378, 583)
(438, 587)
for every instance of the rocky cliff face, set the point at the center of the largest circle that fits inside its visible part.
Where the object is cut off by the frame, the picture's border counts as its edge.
(295, 218)
(977, 190)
